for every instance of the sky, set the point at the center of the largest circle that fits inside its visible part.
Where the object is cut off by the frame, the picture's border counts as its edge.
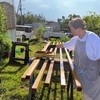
(54, 9)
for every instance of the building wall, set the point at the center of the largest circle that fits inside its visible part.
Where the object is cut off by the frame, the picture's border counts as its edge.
(10, 14)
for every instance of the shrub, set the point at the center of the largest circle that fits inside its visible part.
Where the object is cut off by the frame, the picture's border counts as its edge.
(39, 33)
(5, 44)
(3, 20)
(62, 39)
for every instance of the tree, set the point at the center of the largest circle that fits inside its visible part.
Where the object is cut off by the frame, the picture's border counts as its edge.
(93, 22)
(65, 21)
(71, 16)
(30, 18)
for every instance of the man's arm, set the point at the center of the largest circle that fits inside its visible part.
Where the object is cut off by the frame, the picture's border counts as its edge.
(58, 46)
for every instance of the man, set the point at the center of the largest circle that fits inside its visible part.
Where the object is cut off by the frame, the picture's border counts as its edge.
(86, 46)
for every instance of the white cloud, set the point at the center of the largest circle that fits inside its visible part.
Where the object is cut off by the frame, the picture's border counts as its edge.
(33, 1)
(44, 6)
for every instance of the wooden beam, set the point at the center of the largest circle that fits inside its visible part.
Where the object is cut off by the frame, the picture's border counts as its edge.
(50, 70)
(39, 77)
(29, 72)
(74, 74)
(62, 75)
(46, 46)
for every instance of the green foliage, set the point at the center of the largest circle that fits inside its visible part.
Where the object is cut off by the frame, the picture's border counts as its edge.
(62, 39)
(3, 20)
(64, 22)
(29, 18)
(4, 42)
(39, 33)
(93, 22)
(5, 45)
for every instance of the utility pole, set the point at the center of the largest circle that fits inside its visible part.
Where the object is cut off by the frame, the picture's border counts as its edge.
(19, 10)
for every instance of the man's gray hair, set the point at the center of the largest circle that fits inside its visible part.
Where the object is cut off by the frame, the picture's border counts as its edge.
(77, 23)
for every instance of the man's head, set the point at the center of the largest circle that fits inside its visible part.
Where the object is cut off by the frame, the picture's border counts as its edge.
(77, 23)
(77, 27)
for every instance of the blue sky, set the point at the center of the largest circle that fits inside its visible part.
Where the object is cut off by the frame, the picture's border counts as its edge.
(54, 9)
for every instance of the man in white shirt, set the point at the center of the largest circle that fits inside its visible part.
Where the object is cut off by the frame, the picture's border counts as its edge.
(86, 46)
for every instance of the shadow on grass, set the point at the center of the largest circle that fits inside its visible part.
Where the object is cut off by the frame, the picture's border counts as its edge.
(13, 64)
(55, 89)
(3, 67)
(51, 92)
(56, 80)
(48, 90)
(42, 94)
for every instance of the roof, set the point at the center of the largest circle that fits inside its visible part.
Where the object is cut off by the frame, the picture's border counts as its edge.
(26, 26)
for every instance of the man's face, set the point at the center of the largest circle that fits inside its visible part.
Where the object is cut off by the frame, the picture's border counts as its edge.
(73, 31)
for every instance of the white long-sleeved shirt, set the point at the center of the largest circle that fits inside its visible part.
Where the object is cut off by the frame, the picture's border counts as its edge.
(92, 45)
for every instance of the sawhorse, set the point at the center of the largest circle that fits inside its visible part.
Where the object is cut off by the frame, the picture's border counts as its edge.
(12, 56)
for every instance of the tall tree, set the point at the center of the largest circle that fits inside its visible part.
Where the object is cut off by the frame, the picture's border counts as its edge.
(30, 18)
(73, 16)
(93, 22)
(64, 21)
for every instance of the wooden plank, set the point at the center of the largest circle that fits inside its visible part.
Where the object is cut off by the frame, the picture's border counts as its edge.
(62, 75)
(28, 73)
(39, 77)
(46, 46)
(50, 70)
(35, 63)
(48, 78)
(33, 66)
(74, 74)
(23, 78)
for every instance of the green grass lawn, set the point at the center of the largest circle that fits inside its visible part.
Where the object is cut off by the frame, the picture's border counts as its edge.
(12, 88)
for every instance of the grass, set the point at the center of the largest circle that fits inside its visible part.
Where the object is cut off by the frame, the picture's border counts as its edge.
(12, 88)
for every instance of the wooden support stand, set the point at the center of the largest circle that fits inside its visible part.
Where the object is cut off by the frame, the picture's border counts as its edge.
(12, 56)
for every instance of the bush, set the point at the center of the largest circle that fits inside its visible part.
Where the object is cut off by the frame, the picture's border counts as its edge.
(5, 45)
(39, 33)
(62, 39)
(3, 20)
